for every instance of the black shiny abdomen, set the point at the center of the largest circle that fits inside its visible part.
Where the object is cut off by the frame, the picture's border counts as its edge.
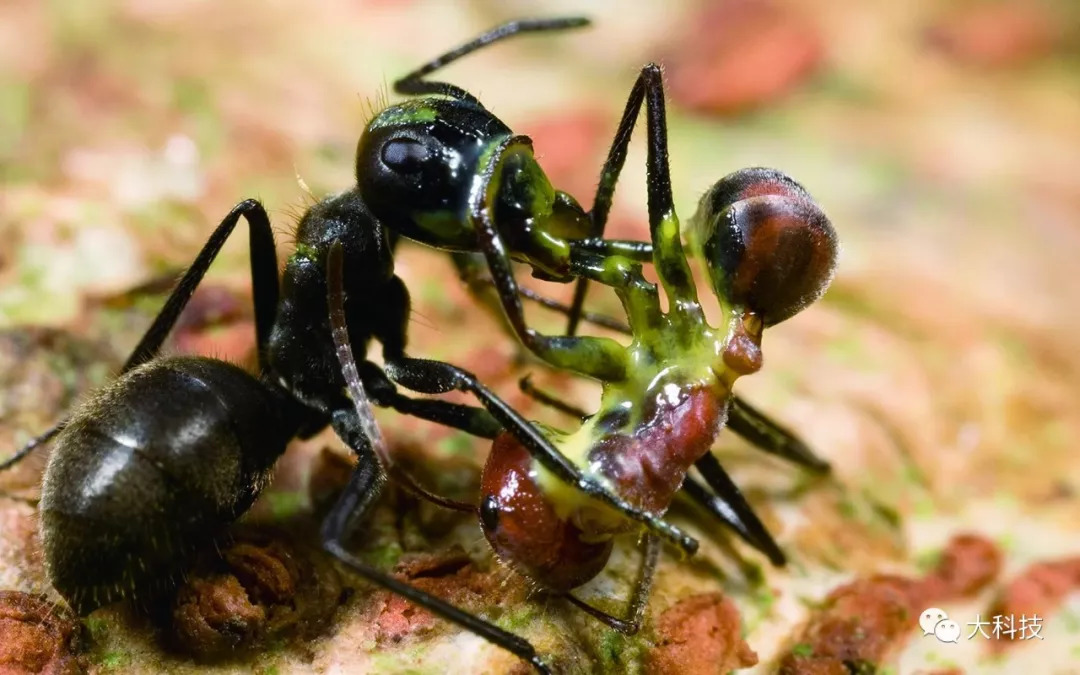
(152, 467)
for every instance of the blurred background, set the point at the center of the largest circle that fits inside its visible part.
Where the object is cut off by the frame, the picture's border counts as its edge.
(938, 375)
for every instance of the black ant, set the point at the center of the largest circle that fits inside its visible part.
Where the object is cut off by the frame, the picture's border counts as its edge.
(178, 447)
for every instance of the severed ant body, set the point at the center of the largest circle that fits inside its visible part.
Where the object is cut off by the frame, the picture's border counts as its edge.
(176, 449)
(769, 252)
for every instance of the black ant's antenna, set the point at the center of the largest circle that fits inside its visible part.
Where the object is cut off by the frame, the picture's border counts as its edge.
(415, 84)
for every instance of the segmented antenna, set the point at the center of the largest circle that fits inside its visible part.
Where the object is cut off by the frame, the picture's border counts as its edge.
(340, 333)
(361, 403)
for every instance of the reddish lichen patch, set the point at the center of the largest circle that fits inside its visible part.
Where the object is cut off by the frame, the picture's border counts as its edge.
(214, 615)
(1037, 591)
(997, 34)
(451, 576)
(37, 636)
(862, 623)
(699, 634)
(265, 589)
(743, 54)
(968, 564)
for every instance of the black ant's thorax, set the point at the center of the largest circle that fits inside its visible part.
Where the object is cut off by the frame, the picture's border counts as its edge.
(301, 349)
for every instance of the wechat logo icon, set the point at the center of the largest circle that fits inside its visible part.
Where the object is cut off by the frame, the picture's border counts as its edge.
(936, 622)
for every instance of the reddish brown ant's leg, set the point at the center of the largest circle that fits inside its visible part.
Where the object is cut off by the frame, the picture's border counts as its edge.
(650, 552)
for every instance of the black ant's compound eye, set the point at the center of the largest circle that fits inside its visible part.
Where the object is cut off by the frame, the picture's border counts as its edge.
(769, 247)
(489, 513)
(405, 155)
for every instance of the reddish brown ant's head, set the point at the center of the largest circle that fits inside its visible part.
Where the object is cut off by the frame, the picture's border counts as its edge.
(769, 249)
(525, 530)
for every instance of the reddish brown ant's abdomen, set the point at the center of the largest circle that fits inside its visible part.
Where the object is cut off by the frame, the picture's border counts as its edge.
(524, 529)
(647, 466)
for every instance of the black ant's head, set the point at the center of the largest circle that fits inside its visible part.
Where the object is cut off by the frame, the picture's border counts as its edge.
(422, 165)
(769, 249)
(416, 163)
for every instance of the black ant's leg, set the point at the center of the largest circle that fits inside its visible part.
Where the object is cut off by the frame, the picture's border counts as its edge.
(356, 425)
(650, 556)
(671, 263)
(666, 237)
(470, 419)
(527, 387)
(732, 507)
(754, 426)
(728, 513)
(414, 83)
(598, 357)
(353, 506)
(264, 285)
(435, 377)
(32, 445)
(349, 426)
(766, 434)
(605, 192)
(476, 281)
(641, 251)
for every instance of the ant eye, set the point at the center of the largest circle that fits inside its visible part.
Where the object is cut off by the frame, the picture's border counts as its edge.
(404, 155)
(489, 513)
(769, 247)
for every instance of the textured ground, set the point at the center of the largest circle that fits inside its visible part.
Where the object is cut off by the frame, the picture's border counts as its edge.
(938, 375)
